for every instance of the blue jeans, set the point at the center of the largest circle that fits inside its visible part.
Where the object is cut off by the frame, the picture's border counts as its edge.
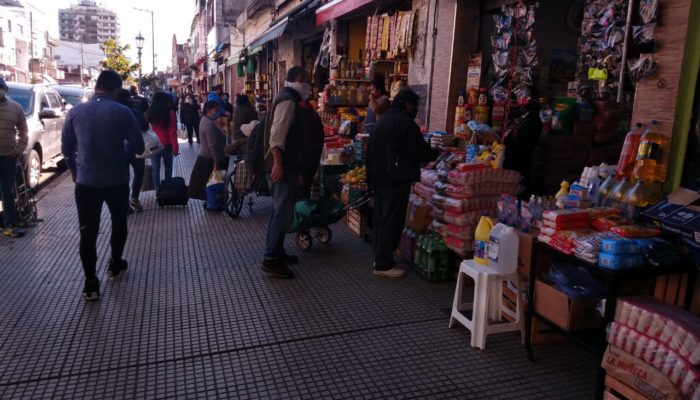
(139, 167)
(8, 174)
(283, 194)
(167, 156)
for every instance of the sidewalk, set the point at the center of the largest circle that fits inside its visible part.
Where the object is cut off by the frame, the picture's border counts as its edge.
(194, 317)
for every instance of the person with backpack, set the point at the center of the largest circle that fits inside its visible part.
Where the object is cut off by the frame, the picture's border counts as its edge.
(211, 152)
(96, 141)
(282, 150)
(394, 152)
(164, 124)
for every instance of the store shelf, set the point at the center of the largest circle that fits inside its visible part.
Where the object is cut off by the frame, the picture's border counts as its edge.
(351, 80)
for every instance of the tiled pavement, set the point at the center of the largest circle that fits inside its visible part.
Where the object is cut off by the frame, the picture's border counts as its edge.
(195, 318)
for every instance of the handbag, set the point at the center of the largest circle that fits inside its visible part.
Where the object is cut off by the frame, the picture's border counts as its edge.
(147, 184)
(181, 131)
(151, 143)
(244, 177)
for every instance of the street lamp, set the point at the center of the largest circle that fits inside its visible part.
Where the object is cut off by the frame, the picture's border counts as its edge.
(139, 47)
(153, 34)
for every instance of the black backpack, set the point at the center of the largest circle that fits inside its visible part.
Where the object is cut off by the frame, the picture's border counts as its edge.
(258, 149)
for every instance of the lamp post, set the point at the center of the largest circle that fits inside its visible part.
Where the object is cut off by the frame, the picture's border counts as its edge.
(139, 46)
(153, 36)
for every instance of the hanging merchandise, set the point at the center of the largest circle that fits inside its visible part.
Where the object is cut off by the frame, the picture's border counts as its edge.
(642, 68)
(514, 58)
(389, 37)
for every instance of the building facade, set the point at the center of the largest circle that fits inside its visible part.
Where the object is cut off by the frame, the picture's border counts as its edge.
(88, 23)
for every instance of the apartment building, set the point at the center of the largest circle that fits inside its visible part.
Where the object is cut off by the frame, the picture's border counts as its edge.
(87, 22)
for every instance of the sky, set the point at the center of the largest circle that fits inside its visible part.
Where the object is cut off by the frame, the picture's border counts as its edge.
(170, 16)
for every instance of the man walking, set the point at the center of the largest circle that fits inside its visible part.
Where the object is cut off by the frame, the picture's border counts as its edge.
(98, 137)
(288, 146)
(13, 141)
(395, 149)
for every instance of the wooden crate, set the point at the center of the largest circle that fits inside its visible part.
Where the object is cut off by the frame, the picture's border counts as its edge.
(356, 221)
(616, 390)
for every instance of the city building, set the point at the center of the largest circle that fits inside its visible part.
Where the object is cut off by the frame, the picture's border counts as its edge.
(88, 22)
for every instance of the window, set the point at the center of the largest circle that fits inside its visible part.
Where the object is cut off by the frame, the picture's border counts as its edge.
(21, 29)
(53, 100)
(44, 102)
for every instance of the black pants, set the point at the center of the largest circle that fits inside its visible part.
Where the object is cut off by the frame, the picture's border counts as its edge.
(89, 201)
(139, 167)
(389, 218)
(192, 127)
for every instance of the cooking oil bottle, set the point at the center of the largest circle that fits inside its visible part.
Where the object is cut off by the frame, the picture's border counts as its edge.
(628, 156)
(652, 156)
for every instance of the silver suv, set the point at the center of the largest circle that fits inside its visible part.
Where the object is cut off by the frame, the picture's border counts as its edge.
(44, 109)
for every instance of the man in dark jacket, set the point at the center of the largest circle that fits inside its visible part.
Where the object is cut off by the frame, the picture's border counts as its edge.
(395, 150)
(521, 139)
(284, 161)
(189, 114)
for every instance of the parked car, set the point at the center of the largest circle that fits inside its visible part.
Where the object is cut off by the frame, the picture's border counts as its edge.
(73, 94)
(44, 109)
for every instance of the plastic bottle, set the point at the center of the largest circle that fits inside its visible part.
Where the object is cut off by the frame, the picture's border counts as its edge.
(635, 199)
(606, 189)
(652, 156)
(430, 255)
(628, 156)
(503, 249)
(481, 239)
(562, 193)
(619, 192)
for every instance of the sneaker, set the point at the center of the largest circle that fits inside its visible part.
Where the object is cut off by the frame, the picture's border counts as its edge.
(135, 205)
(116, 267)
(290, 259)
(12, 231)
(391, 273)
(277, 269)
(91, 291)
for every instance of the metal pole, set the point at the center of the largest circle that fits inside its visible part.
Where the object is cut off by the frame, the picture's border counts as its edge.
(82, 62)
(621, 81)
(140, 69)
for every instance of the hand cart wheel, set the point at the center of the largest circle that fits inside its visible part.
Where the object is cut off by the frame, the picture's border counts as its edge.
(324, 235)
(233, 199)
(303, 240)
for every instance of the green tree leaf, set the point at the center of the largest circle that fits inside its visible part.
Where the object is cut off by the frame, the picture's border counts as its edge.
(116, 60)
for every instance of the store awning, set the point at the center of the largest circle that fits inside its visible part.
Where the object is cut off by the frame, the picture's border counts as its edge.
(271, 33)
(300, 9)
(255, 50)
(338, 8)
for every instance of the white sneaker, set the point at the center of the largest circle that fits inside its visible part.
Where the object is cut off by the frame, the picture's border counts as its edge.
(392, 273)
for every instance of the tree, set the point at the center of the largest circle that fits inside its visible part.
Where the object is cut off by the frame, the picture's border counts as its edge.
(117, 61)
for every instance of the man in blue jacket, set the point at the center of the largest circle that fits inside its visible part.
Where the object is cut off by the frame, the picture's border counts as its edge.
(93, 143)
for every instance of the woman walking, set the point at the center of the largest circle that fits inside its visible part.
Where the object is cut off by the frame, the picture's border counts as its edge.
(211, 152)
(137, 164)
(164, 124)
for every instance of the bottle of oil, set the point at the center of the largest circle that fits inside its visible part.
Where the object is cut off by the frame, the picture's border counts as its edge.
(652, 156)
(619, 191)
(628, 156)
(635, 199)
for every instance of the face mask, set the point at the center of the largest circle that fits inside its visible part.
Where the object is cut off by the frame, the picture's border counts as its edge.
(304, 89)
(2, 93)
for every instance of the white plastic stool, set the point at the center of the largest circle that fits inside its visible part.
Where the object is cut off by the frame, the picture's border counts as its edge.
(487, 302)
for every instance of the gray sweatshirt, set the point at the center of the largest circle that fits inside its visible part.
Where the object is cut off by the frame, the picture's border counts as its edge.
(13, 128)
(212, 140)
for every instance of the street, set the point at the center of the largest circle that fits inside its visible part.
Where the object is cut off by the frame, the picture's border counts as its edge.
(194, 317)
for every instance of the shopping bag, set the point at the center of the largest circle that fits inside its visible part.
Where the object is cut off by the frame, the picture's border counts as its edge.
(152, 145)
(244, 178)
(216, 177)
(215, 196)
(181, 131)
(147, 184)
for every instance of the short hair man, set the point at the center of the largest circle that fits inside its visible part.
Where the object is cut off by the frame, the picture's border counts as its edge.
(96, 141)
(13, 141)
(288, 147)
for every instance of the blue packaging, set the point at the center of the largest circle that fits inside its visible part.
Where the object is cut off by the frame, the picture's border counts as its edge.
(620, 261)
(624, 246)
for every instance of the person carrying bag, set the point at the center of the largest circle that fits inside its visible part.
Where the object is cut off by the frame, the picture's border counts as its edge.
(211, 164)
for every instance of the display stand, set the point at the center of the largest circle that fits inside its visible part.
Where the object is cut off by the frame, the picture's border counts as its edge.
(595, 341)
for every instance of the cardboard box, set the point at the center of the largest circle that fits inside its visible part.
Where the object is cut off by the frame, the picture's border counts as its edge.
(629, 376)
(418, 215)
(679, 213)
(570, 314)
(525, 249)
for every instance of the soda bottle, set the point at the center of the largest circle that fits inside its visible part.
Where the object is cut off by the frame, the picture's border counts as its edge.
(652, 156)
(628, 156)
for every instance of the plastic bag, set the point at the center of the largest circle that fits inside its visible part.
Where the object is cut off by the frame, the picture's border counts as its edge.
(642, 68)
(597, 74)
(216, 177)
(575, 281)
(151, 143)
(648, 10)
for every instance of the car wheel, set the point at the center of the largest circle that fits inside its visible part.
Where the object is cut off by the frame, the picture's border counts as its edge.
(33, 169)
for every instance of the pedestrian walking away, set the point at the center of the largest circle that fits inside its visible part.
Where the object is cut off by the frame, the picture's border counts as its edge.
(394, 152)
(287, 145)
(97, 140)
(242, 114)
(13, 142)
(137, 164)
(211, 152)
(189, 114)
(164, 124)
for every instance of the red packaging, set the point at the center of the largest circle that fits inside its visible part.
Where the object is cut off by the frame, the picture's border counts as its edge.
(635, 231)
(561, 216)
(606, 223)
